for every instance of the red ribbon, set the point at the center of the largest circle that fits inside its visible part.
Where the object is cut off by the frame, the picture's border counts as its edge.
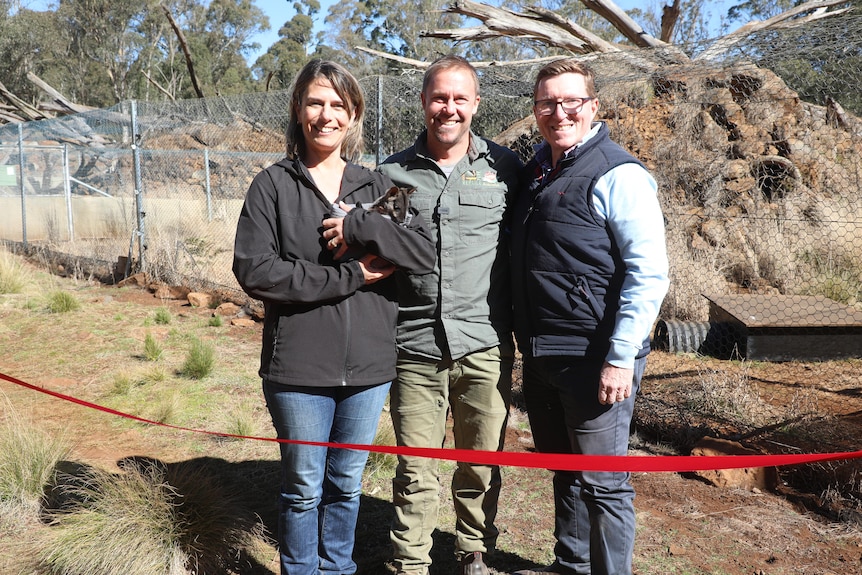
(557, 461)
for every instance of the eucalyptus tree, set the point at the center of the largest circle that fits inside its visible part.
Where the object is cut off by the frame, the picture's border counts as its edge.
(392, 26)
(30, 41)
(277, 67)
(220, 34)
(104, 45)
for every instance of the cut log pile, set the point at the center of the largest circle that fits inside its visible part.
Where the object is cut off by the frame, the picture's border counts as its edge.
(15, 110)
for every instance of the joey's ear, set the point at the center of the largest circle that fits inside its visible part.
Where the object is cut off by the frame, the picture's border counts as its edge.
(392, 191)
(409, 191)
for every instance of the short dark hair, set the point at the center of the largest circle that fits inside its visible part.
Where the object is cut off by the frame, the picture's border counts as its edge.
(567, 66)
(347, 88)
(449, 62)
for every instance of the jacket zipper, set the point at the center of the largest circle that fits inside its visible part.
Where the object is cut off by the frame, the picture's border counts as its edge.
(587, 294)
(344, 367)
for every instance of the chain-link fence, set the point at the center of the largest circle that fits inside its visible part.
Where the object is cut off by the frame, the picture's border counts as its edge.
(756, 151)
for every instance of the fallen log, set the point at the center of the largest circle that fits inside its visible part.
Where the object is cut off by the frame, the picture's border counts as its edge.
(69, 106)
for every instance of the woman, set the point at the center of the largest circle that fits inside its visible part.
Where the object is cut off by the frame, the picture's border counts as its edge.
(329, 331)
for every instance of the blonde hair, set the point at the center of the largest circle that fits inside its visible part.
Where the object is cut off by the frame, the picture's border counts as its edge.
(347, 88)
(449, 62)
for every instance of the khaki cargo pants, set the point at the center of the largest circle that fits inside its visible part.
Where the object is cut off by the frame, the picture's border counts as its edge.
(477, 390)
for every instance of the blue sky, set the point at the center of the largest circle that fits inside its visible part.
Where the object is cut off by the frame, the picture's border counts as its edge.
(280, 11)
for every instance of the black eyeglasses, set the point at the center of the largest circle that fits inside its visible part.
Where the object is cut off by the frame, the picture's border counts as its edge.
(570, 105)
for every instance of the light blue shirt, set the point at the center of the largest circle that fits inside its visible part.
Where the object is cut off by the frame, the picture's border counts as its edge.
(627, 198)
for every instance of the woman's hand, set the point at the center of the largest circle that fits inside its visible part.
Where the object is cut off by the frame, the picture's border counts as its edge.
(333, 232)
(375, 268)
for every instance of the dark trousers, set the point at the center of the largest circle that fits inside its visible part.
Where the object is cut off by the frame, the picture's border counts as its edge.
(594, 511)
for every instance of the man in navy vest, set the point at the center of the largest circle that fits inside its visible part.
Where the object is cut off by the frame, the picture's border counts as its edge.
(589, 269)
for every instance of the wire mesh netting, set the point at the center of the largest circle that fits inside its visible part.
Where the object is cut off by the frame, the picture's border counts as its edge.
(755, 145)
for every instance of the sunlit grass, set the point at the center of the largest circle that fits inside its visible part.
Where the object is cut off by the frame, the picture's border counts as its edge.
(13, 275)
(152, 349)
(63, 302)
(200, 360)
(28, 461)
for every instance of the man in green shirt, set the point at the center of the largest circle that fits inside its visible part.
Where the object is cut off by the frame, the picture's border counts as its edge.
(454, 324)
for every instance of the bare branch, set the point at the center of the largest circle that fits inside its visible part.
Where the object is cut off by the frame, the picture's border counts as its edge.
(185, 46)
(623, 22)
(598, 43)
(418, 64)
(158, 86)
(669, 19)
(818, 7)
(507, 23)
(11, 118)
(409, 61)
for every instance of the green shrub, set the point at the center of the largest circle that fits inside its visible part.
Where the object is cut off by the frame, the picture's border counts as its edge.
(152, 349)
(216, 321)
(122, 384)
(155, 375)
(163, 316)
(63, 302)
(200, 360)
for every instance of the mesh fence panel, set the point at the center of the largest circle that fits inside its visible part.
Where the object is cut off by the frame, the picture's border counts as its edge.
(756, 150)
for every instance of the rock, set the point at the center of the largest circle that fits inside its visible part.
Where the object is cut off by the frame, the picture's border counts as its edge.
(749, 478)
(675, 550)
(139, 279)
(164, 291)
(242, 322)
(227, 309)
(197, 299)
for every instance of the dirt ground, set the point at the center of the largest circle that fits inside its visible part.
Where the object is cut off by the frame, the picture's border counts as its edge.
(808, 525)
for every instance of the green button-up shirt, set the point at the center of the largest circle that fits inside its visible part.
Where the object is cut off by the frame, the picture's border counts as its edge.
(464, 305)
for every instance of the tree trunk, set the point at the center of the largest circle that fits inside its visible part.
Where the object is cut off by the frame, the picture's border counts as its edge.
(185, 46)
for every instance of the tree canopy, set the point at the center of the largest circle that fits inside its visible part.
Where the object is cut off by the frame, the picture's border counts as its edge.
(100, 52)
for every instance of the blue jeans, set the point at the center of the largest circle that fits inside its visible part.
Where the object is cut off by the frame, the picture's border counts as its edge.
(594, 511)
(320, 487)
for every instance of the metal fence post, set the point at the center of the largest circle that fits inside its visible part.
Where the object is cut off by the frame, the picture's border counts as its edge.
(67, 191)
(208, 190)
(379, 135)
(21, 184)
(139, 194)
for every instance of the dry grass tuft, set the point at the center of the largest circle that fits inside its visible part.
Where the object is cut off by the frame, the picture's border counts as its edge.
(13, 275)
(28, 461)
(152, 519)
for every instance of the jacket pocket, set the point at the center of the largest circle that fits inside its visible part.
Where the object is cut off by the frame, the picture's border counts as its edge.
(582, 292)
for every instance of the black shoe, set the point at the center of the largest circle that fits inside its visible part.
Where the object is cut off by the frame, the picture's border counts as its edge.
(472, 564)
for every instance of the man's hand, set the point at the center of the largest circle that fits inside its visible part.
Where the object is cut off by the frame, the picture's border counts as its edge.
(615, 384)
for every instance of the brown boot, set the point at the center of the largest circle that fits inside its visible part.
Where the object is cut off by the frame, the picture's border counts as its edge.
(472, 564)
